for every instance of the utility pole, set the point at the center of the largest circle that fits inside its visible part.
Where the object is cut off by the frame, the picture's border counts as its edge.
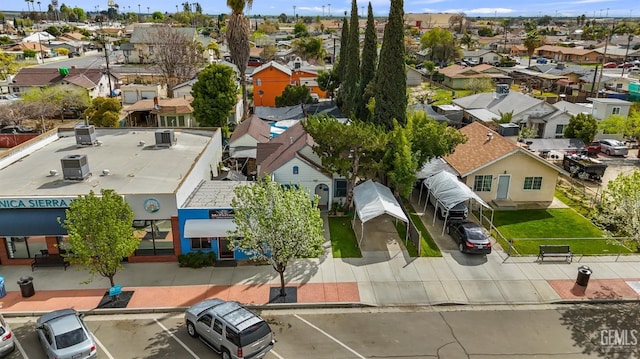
(626, 53)
(322, 10)
(294, 12)
(106, 56)
(604, 58)
(329, 10)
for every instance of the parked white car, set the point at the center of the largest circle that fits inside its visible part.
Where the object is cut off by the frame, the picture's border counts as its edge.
(7, 341)
(613, 147)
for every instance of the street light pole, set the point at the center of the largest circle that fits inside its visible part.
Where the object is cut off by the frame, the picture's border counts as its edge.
(626, 53)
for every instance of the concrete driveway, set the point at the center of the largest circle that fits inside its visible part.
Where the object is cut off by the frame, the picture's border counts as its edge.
(444, 241)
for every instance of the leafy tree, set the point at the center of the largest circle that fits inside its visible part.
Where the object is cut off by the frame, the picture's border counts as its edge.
(294, 95)
(29, 54)
(61, 51)
(8, 65)
(403, 173)
(100, 233)
(581, 126)
(618, 212)
(268, 52)
(367, 67)
(328, 80)
(456, 22)
(614, 124)
(276, 223)
(531, 42)
(341, 60)
(214, 95)
(505, 117)
(157, 16)
(300, 29)
(53, 30)
(468, 41)
(485, 31)
(45, 102)
(442, 45)
(309, 48)
(480, 84)
(79, 14)
(238, 30)
(633, 121)
(104, 112)
(349, 85)
(353, 150)
(430, 139)
(391, 76)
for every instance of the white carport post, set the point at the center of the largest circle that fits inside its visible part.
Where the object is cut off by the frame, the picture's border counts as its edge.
(420, 195)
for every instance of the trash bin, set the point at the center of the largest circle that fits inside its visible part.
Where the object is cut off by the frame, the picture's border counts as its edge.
(584, 273)
(26, 287)
(3, 290)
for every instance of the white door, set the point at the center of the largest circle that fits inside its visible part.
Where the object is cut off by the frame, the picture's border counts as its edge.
(322, 190)
(503, 186)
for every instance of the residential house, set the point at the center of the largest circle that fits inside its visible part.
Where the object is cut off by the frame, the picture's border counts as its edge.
(500, 171)
(605, 107)
(133, 93)
(96, 82)
(144, 38)
(569, 54)
(19, 49)
(414, 77)
(270, 80)
(426, 21)
(289, 159)
(244, 142)
(160, 112)
(558, 121)
(481, 57)
(458, 77)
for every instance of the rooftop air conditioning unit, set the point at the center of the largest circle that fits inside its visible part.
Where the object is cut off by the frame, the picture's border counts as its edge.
(502, 90)
(508, 129)
(75, 167)
(85, 135)
(165, 138)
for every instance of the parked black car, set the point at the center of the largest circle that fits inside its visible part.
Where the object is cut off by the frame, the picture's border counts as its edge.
(470, 237)
(17, 129)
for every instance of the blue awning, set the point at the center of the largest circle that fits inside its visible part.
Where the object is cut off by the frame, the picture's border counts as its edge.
(32, 222)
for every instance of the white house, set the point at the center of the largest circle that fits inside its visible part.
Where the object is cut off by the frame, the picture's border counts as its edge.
(605, 107)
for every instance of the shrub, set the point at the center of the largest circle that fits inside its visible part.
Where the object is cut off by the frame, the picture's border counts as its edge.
(197, 259)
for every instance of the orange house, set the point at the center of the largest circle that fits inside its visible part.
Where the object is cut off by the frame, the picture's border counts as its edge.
(270, 80)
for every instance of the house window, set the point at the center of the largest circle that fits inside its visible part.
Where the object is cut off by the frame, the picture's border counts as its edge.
(150, 49)
(532, 183)
(618, 86)
(200, 243)
(560, 130)
(482, 183)
(258, 82)
(616, 110)
(340, 188)
(295, 170)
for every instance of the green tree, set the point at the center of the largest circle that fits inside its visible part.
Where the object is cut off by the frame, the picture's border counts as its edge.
(391, 76)
(614, 124)
(349, 85)
(276, 223)
(618, 213)
(309, 48)
(403, 173)
(79, 14)
(214, 95)
(53, 30)
(8, 65)
(505, 117)
(62, 51)
(104, 112)
(294, 95)
(352, 150)
(29, 54)
(480, 84)
(441, 44)
(328, 80)
(582, 126)
(468, 41)
(531, 42)
(430, 139)
(282, 18)
(367, 67)
(238, 31)
(341, 60)
(157, 16)
(300, 29)
(100, 233)
(44, 103)
(485, 31)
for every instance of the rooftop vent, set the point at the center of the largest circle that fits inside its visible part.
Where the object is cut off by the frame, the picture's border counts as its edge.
(502, 90)
(75, 167)
(489, 135)
(165, 138)
(85, 135)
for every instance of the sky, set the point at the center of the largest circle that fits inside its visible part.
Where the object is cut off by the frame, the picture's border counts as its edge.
(485, 8)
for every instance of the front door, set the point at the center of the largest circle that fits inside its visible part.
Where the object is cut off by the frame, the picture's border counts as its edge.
(223, 249)
(503, 186)
(322, 190)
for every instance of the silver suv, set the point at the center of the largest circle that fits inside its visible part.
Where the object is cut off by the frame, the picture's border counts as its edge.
(7, 342)
(229, 329)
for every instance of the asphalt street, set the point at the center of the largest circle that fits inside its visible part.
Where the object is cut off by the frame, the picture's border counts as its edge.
(572, 331)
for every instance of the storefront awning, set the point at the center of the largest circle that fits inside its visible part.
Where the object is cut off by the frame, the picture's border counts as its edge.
(32, 222)
(207, 228)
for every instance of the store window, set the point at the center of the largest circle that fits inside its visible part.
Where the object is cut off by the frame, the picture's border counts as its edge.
(156, 237)
(25, 247)
(200, 243)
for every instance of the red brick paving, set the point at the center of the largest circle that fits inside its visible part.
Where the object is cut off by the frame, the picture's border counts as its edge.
(597, 289)
(177, 296)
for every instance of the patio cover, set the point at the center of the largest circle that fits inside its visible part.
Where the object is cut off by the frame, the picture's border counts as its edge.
(208, 228)
(373, 199)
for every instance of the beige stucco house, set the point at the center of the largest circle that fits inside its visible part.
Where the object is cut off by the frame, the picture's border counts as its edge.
(500, 171)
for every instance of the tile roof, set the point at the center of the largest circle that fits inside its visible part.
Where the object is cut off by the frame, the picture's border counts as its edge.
(39, 76)
(255, 127)
(479, 150)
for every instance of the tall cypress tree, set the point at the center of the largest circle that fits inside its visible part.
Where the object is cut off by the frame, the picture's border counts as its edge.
(367, 67)
(340, 61)
(391, 77)
(352, 65)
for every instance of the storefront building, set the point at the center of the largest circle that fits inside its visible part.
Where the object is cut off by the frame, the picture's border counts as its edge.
(152, 169)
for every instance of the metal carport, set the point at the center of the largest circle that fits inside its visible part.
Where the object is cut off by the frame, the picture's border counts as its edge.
(372, 199)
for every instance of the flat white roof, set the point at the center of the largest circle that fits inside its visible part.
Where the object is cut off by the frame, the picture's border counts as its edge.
(214, 194)
(133, 167)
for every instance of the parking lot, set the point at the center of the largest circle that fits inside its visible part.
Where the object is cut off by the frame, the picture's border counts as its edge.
(451, 332)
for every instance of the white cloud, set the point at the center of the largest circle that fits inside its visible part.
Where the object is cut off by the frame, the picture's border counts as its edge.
(488, 10)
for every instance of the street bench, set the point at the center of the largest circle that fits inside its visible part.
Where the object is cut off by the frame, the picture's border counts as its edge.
(555, 251)
(49, 260)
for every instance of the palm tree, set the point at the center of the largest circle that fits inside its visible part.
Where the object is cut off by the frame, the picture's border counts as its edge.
(238, 41)
(532, 41)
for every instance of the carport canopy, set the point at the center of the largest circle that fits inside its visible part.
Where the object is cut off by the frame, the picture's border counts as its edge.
(373, 199)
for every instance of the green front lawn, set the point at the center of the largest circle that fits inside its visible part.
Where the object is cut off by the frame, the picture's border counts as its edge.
(428, 248)
(578, 246)
(343, 240)
(544, 223)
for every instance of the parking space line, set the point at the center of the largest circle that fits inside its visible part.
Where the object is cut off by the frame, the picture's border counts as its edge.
(330, 337)
(19, 346)
(276, 354)
(104, 349)
(176, 339)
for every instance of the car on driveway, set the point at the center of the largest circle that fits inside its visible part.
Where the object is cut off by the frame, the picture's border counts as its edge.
(626, 65)
(542, 60)
(470, 237)
(63, 335)
(7, 341)
(610, 65)
(230, 329)
(613, 147)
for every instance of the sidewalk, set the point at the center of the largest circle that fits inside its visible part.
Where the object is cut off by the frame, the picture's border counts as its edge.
(382, 277)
